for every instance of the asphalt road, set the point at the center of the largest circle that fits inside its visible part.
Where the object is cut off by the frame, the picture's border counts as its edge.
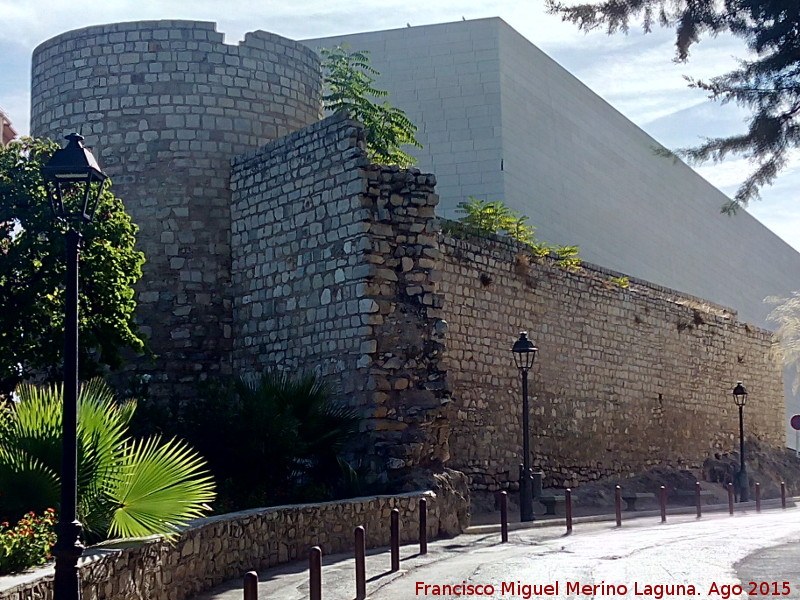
(642, 560)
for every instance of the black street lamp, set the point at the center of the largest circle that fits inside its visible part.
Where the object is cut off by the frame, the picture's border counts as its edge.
(740, 399)
(74, 184)
(524, 354)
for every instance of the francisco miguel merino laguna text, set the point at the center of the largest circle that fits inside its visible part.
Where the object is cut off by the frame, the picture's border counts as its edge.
(526, 591)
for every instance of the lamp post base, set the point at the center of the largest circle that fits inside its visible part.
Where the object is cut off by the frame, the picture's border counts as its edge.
(743, 484)
(525, 499)
(68, 550)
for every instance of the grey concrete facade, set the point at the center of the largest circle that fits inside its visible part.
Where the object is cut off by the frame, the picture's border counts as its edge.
(499, 119)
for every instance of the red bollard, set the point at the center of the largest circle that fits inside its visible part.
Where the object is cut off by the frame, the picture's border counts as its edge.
(697, 499)
(783, 494)
(251, 585)
(662, 498)
(568, 508)
(758, 497)
(315, 573)
(618, 504)
(394, 535)
(423, 526)
(503, 517)
(730, 498)
(361, 565)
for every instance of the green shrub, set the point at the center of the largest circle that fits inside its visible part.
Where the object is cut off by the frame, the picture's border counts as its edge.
(126, 488)
(28, 543)
(271, 440)
(483, 217)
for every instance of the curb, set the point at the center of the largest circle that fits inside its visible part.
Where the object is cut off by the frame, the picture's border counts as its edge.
(627, 515)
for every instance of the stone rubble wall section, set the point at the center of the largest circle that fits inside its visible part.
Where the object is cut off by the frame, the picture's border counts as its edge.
(624, 379)
(410, 396)
(331, 270)
(218, 549)
(165, 105)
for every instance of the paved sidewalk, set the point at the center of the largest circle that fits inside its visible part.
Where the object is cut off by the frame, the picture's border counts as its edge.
(290, 582)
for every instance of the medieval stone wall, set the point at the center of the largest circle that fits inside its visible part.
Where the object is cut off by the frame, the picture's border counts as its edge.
(339, 266)
(624, 378)
(331, 261)
(165, 105)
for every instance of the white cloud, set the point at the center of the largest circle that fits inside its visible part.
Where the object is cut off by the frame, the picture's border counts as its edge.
(634, 72)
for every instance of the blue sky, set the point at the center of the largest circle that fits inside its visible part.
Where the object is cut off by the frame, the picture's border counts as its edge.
(635, 73)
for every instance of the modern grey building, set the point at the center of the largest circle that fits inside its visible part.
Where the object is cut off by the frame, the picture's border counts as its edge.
(500, 120)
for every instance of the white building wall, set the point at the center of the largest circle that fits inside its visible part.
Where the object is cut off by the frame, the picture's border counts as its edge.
(447, 79)
(501, 120)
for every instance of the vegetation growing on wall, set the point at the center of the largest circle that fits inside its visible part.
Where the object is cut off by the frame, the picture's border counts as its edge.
(481, 217)
(349, 86)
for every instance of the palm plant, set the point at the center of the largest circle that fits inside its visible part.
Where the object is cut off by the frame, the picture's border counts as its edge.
(273, 438)
(126, 488)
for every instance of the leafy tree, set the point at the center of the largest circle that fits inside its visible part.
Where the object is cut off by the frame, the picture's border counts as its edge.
(768, 85)
(272, 439)
(349, 80)
(32, 271)
(126, 488)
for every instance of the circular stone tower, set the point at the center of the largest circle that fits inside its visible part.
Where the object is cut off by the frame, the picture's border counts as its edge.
(165, 105)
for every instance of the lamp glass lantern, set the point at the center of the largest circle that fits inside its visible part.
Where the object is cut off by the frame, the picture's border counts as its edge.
(74, 182)
(524, 352)
(740, 395)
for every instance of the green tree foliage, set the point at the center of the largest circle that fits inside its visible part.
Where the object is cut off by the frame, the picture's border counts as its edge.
(271, 440)
(768, 85)
(349, 81)
(32, 272)
(126, 488)
(485, 217)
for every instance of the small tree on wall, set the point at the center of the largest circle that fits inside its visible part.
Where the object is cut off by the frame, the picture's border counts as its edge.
(349, 80)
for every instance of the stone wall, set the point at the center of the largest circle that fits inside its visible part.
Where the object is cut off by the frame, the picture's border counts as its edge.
(338, 265)
(624, 378)
(331, 271)
(165, 105)
(217, 549)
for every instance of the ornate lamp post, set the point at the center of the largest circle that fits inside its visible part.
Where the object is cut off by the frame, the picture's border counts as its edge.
(74, 184)
(740, 399)
(524, 353)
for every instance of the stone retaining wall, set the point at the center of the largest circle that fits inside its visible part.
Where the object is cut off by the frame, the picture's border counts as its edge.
(218, 549)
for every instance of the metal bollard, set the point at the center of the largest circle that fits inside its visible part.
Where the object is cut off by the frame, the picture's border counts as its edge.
(394, 534)
(730, 498)
(783, 494)
(568, 508)
(662, 499)
(251, 585)
(503, 517)
(758, 497)
(423, 526)
(315, 573)
(618, 504)
(697, 499)
(361, 565)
